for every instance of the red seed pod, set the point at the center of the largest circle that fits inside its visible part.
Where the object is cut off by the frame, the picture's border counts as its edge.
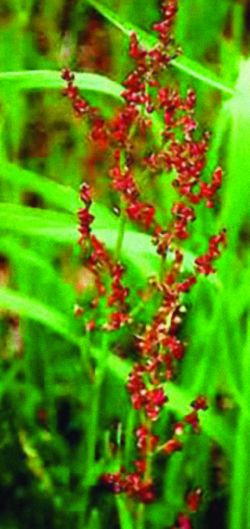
(71, 91)
(78, 311)
(116, 321)
(140, 465)
(135, 51)
(67, 75)
(200, 403)
(80, 106)
(171, 446)
(187, 284)
(193, 500)
(184, 521)
(90, 326)
(193, 419)
(85, 194)
(179, 428)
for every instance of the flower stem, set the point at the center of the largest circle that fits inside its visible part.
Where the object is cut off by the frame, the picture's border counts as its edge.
(120, 235)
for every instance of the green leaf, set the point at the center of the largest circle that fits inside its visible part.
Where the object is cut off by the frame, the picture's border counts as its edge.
(125, 518)
(49, 79)
(37, 266)
(27, 307)
(182, 63)
(57, 194)
(196, 70)
(59, 227)
(61, 196)
(54, 225)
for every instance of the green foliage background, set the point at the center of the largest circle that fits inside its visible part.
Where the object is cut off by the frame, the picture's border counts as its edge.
(58, 429)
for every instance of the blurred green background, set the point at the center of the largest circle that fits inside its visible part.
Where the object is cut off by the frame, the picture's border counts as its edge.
(59, 430)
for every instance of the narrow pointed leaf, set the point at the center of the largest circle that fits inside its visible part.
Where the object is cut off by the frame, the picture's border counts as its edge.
(49, 79)
(13, 301)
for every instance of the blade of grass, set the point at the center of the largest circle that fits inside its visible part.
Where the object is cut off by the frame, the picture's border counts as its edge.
(13, 301)
(61, 196)
(50, 79)
(35, 265)
(124, 514)
(54, 193)
(239, 506)
(29, 221)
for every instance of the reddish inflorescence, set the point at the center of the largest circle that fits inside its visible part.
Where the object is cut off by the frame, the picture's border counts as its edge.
(180, 152)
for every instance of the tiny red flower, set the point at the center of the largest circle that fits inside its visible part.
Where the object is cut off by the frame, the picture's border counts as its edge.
(193, 500)
(173, 445)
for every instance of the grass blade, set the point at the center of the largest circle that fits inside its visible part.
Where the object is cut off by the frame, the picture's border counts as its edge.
(54, 193)
(13, 301)
(57, 226)
(49, 79)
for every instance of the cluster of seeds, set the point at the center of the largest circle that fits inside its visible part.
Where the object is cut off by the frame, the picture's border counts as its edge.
(181, 152)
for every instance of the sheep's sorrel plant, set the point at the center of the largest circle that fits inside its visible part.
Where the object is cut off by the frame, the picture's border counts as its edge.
(152, 136)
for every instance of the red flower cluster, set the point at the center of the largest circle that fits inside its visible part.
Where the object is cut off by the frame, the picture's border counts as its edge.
(101, 263)
(79, 104)
(126, 137)
(204, 264)
(132, 484)
(175, 443)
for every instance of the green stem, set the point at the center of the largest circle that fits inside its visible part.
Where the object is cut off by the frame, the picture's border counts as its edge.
(140, 521)
(240, 492)
(90, 474)
(120, 235)
(124, 513)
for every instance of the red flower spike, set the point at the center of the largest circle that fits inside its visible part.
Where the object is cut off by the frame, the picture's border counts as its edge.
(86, 220)
(99, 252)
(125, 137)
